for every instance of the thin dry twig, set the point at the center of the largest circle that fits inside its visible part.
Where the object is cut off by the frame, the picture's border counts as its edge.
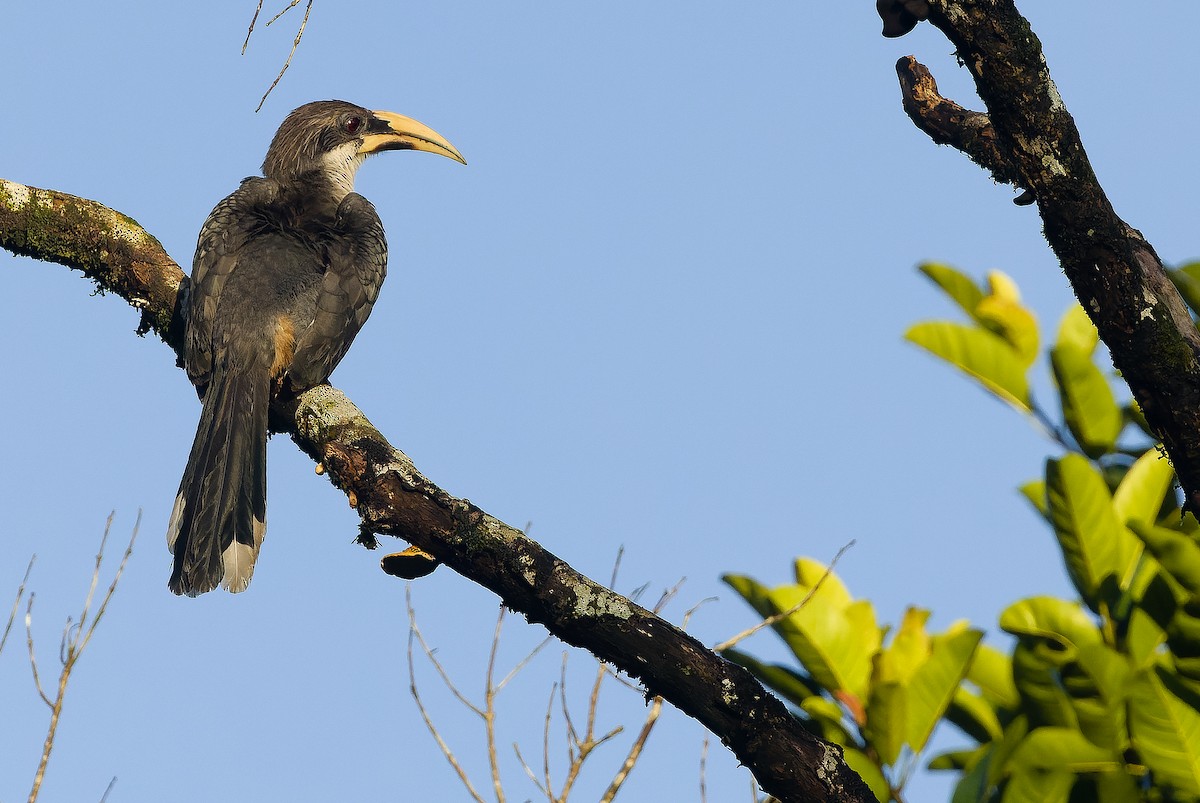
(635, 752)
(76, 637)
(612, 583)
(415, 633)
(579, 745)
(668, 595)
(703, 770)
(12, 616)
(489, 709)
(253, 22)
(523, 663)
(295, 43)
(770, 620)
(546, 743)
(37, 680)
(529, 771)
(578, 749)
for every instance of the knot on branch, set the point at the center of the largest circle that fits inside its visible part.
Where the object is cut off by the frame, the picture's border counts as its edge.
(947, 123)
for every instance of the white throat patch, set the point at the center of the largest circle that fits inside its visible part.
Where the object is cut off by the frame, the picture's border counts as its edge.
(341, 165)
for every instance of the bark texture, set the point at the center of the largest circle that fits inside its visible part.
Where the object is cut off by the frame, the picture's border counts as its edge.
(394, 498)
(1028, 138)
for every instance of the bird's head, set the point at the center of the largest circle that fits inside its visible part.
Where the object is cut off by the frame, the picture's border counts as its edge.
(331, 138)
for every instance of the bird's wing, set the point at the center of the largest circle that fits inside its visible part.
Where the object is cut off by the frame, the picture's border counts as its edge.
(231, 223)
(357, 263)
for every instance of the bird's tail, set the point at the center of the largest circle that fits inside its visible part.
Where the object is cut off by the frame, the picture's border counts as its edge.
(219, 518)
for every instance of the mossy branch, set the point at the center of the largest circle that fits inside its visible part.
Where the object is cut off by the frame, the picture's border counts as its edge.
(1029, 139)
(394, 498)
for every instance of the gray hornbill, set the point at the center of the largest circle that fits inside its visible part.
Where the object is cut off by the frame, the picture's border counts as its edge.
(285, 273)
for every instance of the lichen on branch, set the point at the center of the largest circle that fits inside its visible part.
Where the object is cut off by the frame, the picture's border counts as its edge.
(394, 498)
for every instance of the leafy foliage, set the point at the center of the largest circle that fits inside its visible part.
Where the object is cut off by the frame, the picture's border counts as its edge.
(1099, 698)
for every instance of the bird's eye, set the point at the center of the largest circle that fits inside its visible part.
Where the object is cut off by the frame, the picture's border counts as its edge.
(352, 125)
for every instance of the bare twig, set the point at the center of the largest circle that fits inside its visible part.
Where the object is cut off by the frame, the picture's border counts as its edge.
(668, 595)
(687, 615)
(523, 663)
(253, 22)
(37, 680)
(635, 751)
(292, 52)
(415, 633)
(107, 789)
(579, 745)
(532, 775)
(612, 583)
(703, 770)
(12, 616)
(75, 640)
(770, 620)
(578, 749)
(489, 710)
(546, 744)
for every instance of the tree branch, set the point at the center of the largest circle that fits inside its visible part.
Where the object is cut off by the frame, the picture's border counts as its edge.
(394, 498)
(1029, 139)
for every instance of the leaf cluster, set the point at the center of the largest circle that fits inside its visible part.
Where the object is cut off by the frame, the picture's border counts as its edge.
(1099, 697)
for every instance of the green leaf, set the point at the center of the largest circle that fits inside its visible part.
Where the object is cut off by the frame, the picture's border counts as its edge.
(1039, 786)
(1178, 554)
(1002, 312)
(1061, 749)
(887, 705)
(1051, 633)
(884, 728)
(1051, 618)
(828, 717)
(754, 592)
(1077, 330)
(809, 573)
(991, 672)
(974, 786)
(911, 646)
(1166, 729)
(1089, 407)
(1098, 684)
(933, 685)
(974, 716)
(1045, 765)
(1133, 414)
(1114, 787)
(1108, 669)
(956, 284)
(869, 772)
(1183, 634)
(832, 636)
(1035, 492)
(1143, 638)
(1187, 280)
(981, 354)
(1145, 485)
(1036, 671)
(1099, 552)
(955, 759)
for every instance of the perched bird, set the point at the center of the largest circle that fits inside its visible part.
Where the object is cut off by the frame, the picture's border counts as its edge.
(285, 273)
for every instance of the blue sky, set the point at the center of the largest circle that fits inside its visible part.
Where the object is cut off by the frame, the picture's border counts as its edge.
(661, 308)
